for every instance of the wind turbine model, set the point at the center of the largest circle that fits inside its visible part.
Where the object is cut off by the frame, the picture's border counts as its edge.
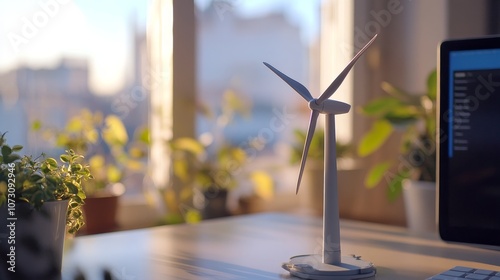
(331, 265)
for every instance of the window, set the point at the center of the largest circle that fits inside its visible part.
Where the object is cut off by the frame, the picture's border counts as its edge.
(234, 38)
(61, 56)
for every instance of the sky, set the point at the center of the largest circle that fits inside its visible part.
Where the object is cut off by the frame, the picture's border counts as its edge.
(38, 33)
(303, 13)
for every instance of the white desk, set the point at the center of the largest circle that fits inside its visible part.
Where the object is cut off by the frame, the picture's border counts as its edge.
(255, 246)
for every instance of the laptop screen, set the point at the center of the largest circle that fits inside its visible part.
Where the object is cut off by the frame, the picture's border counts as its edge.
(469, 141)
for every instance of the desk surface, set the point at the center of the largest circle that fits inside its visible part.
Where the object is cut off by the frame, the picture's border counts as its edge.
(255, 246)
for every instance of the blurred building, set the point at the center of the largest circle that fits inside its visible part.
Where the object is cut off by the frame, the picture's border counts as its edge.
(54, 94)
(46, 94)
(230, 53)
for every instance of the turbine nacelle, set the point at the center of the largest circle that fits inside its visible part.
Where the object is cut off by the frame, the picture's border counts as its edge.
(329, 106)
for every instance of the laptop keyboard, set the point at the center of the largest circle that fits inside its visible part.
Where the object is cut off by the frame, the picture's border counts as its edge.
(462, 272)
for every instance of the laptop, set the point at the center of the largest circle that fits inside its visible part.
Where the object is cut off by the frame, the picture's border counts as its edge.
(469, 141)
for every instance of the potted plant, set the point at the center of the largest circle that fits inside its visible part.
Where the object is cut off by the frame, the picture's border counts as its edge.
(211, 176)
(414, 117)
(205, 169)
(104, 142)
(313, 172)
(39, 199)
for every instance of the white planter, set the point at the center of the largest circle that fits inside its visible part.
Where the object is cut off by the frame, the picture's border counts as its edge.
(420, 205)
(39, 240)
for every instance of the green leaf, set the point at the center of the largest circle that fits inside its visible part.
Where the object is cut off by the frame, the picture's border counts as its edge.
(181, 170)
(380, 106)
(73, 204)
(6, 151)
(51, 179)
(263, 184)
(51, 163)
(231, 156)
(189, 145)
(403, 115)
(376, 174)
(37, 199)
(65, 158)
(36, 177)
(75, 124)
(114, 132)
(380, 131)
(113, 173)
(233, 104)
(81, 196)
(11, 158)
(144, 136)
(432, 85)
(2, 139)
(17, 148)
(192, 216)
(72, 187)
(75, 157)
(395, 187)
(45, 168)
(75, 167)
(395, 183)
(76, 214)
(77, 199)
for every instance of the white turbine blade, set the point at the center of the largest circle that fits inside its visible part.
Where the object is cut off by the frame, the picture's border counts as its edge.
(298, 87)
(310, 133)
(338, 81)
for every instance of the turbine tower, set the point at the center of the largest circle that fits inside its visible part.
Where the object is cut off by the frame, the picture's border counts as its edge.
(331, 264)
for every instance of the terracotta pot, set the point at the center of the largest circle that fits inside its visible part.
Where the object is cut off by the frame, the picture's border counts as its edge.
(420, 205)
(32, 240)
(100, 214)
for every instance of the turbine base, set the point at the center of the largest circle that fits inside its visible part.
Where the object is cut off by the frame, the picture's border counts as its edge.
(312, 267)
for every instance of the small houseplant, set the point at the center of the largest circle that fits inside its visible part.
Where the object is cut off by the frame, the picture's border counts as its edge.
(205, 169)
(212, 175)
(39, 199)
(111, 156)
(413, 116)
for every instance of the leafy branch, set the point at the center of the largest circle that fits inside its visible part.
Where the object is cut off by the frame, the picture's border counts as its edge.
(415, 116)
